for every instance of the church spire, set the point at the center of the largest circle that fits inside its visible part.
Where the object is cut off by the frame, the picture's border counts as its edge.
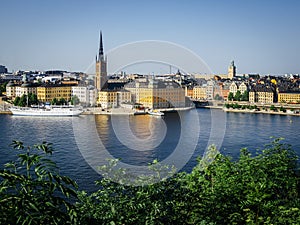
(101, 47)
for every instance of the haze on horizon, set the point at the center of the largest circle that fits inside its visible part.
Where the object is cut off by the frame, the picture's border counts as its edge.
(260, 36)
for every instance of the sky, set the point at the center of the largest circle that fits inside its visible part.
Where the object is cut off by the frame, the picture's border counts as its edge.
(261, 36)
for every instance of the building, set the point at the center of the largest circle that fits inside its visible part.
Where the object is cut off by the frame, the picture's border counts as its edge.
(47, 92)
(199, 92)
(87, 95)
(3, 69)
(261, 94)
(113, 98)
(17, 90)
(25, 89)
(235, 86)
(156, 94)
(289, 97)
(101, 69)
(231, 71)
(11, 90)
(107, 99)
(210, 89)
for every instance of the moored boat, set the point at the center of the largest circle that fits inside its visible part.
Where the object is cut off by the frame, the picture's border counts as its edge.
(46, 111)
(156, 113)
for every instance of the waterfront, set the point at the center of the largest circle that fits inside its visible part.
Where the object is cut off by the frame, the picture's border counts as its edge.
(242, 130)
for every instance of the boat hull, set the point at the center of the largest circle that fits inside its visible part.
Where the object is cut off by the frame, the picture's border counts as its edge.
(46, 112)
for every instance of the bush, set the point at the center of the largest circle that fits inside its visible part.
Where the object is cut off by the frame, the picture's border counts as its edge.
(259, 189)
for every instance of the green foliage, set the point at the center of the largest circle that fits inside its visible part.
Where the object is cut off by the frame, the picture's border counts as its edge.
(273, 108)
(230, 96)
(32, 191)
(24, 101)
(74, 100)
(61, 101)
(282, 109)
(238, 96)
(254, 189)
(261, 189)
(3, 87)
(245, 96)
(218, 97)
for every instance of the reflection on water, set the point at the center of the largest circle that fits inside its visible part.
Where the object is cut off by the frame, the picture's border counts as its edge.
(242, 130)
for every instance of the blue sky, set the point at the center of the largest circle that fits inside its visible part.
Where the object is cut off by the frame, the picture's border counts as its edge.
(262, 36)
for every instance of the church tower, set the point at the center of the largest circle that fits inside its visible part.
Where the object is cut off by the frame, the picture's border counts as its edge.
(231, 70)
(101, 71)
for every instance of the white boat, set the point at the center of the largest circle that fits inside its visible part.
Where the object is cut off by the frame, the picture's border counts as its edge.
(155, 113)
(46, 111)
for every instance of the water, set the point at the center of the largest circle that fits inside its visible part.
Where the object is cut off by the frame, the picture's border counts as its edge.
(138, 140)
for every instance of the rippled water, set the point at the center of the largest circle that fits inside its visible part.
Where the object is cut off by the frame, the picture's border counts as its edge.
(138, 140)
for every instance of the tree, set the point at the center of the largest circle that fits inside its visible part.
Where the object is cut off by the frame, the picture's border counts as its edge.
(54, 101)
(23, 101)
(62, 101)
(32, 98)
(33, 192)
(237, 96)
(262, 188)
(74, 100)
(245, 96)
(16, 101)
(273, 108)
(230, 96)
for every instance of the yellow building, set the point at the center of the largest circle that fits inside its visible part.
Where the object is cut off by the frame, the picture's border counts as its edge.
(107, 99)
(47, 92)
(112, 98)
(289, 97)
(199, 92)
(156, 94)
(261, 95)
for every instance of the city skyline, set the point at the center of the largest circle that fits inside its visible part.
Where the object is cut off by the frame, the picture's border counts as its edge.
(261, 37)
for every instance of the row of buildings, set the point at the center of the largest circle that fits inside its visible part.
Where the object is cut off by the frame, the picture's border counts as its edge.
(266, 90)
(161, 92)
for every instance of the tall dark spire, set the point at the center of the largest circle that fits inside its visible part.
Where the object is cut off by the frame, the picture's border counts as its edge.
(101, 46)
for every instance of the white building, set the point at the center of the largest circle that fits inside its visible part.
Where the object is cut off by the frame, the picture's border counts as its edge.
(87, 95)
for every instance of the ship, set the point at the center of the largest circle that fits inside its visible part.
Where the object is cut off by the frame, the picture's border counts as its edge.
(46, 111)
(156, 113)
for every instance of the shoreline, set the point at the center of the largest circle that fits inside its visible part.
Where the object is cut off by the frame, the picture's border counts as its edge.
(124, 111)
(259, 112)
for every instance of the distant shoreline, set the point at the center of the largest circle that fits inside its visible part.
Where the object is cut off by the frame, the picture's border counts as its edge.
(124, 111)
(260, 112)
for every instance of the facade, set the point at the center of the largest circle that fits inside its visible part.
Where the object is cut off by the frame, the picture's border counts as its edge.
(210, 89)
(231, 70)
(234, 87)
(243, 87)
(11, 90)
(107, 99)
(25, 89)
(87, 95)
(261, 95)
(289, 97)
(199, 92)
(156, 94)
(3, 69)
(17, 90)
(112, 98)
(101, 70)
(47, 92)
